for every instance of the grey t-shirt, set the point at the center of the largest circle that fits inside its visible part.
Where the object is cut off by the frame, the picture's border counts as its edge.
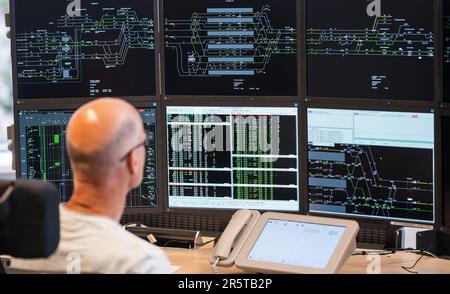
(99, 245)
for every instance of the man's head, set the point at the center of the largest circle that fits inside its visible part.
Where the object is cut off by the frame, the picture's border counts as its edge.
(106, 147)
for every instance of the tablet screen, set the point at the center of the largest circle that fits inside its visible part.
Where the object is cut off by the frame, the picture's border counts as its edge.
(296, 243)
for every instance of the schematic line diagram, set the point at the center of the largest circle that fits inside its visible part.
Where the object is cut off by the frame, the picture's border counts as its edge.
(231, 47)
(365, 180)
(386, 56)
(227, 42)
(389, 36)
(43, 154)
(57, 55)
(87, 54)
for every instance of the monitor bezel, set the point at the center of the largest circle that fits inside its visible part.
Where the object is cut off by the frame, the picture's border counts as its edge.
(437, 179)
(76, 100)
(445, 198)
(230, 102)
(300, 61)
(73, 107)
(424, 102)
(444, 104)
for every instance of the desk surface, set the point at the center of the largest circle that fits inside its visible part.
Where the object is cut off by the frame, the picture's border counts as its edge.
(196, 262)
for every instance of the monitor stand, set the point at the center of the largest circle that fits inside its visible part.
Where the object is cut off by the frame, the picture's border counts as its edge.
(375, 236)
(370, 246)
(167, 237)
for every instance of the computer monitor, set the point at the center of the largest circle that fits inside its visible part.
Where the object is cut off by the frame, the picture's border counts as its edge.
(375, 165)
(79, 49)
(446, 50)
(371, 49)
(230, 158)
(43, 155)
(222, 47)
(446, 169)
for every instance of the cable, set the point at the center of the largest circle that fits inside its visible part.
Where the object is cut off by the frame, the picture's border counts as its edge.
(393, 251)
(206, 243)
(177, 242)
(409, 269)
(423, 252)
(214, 267)
(187, 242)
(373, 253)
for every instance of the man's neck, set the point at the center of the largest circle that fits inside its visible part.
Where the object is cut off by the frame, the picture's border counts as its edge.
(99, 201)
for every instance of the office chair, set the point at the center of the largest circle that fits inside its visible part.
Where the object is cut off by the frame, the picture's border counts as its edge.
(29, 219)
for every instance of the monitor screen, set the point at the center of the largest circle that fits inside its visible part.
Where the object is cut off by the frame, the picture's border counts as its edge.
(446, 168)
(446, 23)
(371, 164)
(222, 47)
(79, 49)
(233, 158)
(297, 243)
(380, 49)
(43, 156)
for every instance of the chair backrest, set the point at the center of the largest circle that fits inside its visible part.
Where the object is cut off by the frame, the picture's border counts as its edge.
(29, 218)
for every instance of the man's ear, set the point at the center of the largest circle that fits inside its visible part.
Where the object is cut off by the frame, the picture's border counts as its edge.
(132, 162)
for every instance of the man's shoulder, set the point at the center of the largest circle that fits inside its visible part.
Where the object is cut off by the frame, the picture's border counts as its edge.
(109, 245)
(111, 237)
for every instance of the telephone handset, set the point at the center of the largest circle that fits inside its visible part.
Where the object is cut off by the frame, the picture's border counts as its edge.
(233, 238)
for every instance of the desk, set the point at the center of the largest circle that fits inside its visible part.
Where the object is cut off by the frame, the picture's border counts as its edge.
(196, 262)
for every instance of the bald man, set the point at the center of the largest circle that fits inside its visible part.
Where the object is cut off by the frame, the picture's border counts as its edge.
(106, 146)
